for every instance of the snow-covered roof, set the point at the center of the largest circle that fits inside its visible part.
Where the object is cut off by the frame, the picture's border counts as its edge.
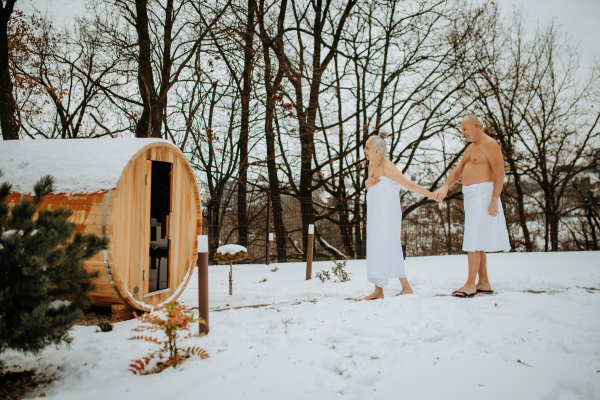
(78, 165)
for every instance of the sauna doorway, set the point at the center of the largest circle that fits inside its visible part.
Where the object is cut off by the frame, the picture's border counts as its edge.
(160, 208)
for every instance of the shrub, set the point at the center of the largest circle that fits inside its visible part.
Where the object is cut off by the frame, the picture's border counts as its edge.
(44, 287)
(105, 326)
(230, 257)
(175, 319)
(323, 276)
(339, 271)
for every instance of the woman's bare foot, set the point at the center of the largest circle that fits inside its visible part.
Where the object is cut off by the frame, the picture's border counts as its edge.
(486, 287)
(406, 289)
(371, 298)
(377, 294)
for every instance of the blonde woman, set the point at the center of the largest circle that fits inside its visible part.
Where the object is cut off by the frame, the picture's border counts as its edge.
(384, 217)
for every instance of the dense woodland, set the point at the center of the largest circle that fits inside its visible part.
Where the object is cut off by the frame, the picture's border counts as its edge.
(280, 96)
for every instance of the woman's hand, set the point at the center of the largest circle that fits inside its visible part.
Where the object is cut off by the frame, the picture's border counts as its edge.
(372, 181)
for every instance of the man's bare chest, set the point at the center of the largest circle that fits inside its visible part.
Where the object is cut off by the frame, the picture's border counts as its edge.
(478, 156)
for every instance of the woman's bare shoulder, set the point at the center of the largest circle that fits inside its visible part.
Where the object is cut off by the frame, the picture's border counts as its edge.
(389, 166)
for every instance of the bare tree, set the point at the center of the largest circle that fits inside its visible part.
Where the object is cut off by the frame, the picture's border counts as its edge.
(274, 93)
(327, 24)
(533, 104)
(8, 111)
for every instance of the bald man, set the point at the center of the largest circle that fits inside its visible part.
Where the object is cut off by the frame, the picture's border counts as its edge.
(482, 171)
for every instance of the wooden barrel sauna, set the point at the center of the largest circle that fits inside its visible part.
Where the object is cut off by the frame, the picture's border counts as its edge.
(141, 193)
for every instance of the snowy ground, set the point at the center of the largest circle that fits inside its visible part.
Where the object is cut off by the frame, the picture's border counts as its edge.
(538, 337)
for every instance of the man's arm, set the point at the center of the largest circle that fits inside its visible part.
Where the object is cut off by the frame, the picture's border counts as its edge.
(453, 177)
(494, 156)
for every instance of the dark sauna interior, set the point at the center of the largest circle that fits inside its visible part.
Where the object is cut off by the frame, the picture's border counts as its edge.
(160, 206)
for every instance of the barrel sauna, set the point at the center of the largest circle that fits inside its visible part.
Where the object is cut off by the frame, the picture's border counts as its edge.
(141, 193)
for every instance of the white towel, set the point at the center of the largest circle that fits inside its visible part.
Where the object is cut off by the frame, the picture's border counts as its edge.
(384, 220)
(482, 231)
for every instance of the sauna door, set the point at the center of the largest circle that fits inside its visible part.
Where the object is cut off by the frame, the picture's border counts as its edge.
(160, 208)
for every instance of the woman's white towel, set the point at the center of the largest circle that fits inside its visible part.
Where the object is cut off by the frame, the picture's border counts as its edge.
(384, 221)
(482, 231)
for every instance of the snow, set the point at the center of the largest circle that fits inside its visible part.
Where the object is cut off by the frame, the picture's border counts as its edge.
(10, 232)
(325, 243)
(78, 165)
(537, 337)
(231, 249)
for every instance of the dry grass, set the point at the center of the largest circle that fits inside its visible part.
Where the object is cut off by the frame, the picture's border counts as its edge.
(16, 382)
(93, 317)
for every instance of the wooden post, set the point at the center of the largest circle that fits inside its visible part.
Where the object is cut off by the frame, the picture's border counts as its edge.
(268, 246)
(309, 250)
(230, 278)
(203, 281)
(271, 236)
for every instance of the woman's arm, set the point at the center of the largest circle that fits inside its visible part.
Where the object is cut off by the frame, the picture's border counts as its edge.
(392, 172)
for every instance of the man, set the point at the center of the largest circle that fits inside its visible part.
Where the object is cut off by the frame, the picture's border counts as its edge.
(482, 171)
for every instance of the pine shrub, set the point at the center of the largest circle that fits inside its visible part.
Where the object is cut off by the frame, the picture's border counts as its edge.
(44, 287)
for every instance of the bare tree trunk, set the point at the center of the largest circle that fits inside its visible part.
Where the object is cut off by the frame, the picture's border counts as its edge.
(213, 208)
(8, 108)
(160, 109)
(553, 222)
(307, 116)
(245, 126)
(589, 216)
(272, 88)
(146, 125)
(341, 203)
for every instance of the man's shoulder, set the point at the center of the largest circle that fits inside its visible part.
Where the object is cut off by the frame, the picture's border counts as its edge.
(490, 144)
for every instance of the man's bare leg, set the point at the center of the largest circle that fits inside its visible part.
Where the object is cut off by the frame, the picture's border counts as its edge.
(378, 293)
(474, 261)
(483, 282)
(406, 289)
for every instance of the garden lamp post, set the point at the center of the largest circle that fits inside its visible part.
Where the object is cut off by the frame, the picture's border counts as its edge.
(203, 281)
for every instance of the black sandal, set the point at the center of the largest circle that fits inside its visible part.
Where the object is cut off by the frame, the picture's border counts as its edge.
(463, 293)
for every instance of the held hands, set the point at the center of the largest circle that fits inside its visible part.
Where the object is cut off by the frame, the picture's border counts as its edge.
(493, 208)
(372, 181)
(440, 194)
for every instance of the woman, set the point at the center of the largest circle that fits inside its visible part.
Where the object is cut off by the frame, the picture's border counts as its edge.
(384, 217)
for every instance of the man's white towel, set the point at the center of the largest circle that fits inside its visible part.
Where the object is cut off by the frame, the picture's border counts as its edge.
(384, 221)
(482, 231)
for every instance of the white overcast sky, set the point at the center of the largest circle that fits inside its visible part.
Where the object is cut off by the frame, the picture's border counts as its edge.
(578, 18)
